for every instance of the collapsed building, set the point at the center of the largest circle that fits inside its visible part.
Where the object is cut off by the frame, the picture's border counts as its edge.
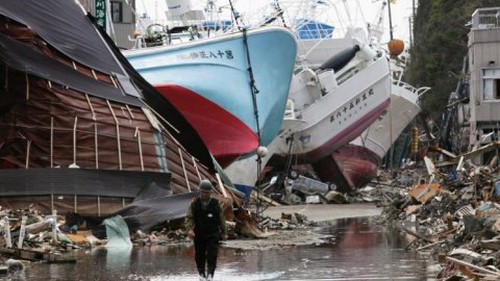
(82, 132)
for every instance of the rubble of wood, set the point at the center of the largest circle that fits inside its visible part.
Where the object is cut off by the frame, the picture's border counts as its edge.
(28, 235)
(450, 211)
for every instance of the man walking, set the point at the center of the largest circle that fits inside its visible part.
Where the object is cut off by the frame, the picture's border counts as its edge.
(206, 224)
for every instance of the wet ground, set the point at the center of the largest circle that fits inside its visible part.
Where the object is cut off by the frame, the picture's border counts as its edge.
(357, 249)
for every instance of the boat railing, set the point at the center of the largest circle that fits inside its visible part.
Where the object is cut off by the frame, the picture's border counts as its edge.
(404, 85)
(397, 76)
(422, 90)
(139, 42)
(327, 81)
(348, 73)
(290, 110)
(418, 91)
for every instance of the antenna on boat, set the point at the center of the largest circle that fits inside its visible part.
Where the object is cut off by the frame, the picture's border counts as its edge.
(376, 28)
(391, 36)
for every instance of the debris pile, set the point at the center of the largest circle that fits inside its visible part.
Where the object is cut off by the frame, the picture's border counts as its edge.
(451, 213)
(289, 230)
(28, 235)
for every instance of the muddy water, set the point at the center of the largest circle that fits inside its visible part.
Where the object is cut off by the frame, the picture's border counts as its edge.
(358, 250)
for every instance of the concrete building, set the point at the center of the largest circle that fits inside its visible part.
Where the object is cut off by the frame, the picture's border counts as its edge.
(122, 18)
(484, 66)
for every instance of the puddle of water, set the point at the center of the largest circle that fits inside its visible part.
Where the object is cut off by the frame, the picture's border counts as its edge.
(360, 250)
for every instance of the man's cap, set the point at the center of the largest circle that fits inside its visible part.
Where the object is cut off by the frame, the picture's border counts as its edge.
(206, 185)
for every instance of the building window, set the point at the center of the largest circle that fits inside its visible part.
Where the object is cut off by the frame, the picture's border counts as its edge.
(491, 84)
(117, 11)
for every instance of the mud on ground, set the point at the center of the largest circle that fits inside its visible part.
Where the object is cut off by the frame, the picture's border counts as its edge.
(299, 234)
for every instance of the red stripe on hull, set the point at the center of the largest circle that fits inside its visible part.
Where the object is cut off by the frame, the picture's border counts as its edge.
(226, 136)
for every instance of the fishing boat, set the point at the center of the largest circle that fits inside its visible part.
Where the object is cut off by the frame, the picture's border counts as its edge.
(355, 165)
(335, 97)
(232, 88)
(403, 109)
(337, 105)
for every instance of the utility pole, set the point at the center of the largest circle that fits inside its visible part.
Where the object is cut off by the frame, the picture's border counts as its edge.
(412, 20)
(410, 31)
(390, 20)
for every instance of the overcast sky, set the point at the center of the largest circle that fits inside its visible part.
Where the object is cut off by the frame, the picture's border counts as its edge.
(401, 10)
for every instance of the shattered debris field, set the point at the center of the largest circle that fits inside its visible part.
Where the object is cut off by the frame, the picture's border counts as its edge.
(354, 248)
(444, 223)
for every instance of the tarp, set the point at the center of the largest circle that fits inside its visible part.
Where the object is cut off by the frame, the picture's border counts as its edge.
(20, 56)
(146, 213)
(117, 233)
(64, 26)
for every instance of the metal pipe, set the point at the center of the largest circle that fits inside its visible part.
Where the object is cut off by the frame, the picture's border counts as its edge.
(74, 139)
(28, 148)
(96, 147)
(52, 141)
(196, 167)
(27, 87)
(98, 206)
(139, 144)
(184, 170)
(117, 135)
(6, 86)
(390, 20)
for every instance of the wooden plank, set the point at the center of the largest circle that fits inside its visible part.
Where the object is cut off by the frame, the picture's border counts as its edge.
(482, 269)
(33, 255)
(221, 185)
(425, 192)
(265, 198)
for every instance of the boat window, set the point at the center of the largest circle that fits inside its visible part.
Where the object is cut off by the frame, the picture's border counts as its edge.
(491, 84)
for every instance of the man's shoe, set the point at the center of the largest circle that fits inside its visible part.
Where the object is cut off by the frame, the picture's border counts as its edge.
(202, 278)
(210, 277)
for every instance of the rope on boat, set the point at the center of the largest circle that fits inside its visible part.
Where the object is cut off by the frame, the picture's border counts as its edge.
(253, 88)
(279, 11)
(254, 91)
(235, 14)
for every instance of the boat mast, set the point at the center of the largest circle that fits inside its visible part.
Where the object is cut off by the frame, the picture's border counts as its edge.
(391, 37)
(209, 9)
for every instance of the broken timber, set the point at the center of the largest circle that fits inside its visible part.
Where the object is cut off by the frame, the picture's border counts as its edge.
(475, 267)
(33, 255)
